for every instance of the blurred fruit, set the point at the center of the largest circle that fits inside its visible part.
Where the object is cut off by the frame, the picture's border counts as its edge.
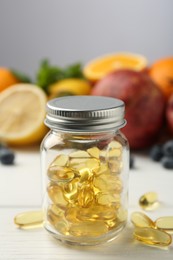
(167, 162)
(7, 157)
(169, 113)
(144, 102)
(67, 87)
(6, 78)
(22, 111)
(168, 148)
(156, 153)
(162, 74)
(100, 67)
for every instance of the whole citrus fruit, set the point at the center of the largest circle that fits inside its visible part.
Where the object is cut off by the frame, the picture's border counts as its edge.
(162, 74)
(6, 78)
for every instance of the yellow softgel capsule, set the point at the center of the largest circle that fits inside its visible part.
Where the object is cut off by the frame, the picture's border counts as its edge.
(114, 149)
(78, 164)
(70, 190)
(93, 164)
(71, 215)
(165, 223)
(58, 221)
(85, 196)
(55, 193)
(115, 166)
(149, 201)
(88, 229)
(58, 173)
(103, 156)
(103, 169)
(58, 212)
(151, 236)
(29, 220)
(60, 160)
(139, 219)
(79, 154)
(85, 175)
(115, 145)
(106, 183)
(108, 199)
(94, 152)
(112, 223)
(96, 213)
(122, 214)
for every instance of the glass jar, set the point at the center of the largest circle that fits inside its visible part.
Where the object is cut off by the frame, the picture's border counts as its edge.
(85, 162)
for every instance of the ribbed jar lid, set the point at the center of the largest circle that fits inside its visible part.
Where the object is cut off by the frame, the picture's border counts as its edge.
(85, 113)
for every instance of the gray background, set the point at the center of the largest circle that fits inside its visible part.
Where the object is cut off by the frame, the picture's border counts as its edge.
(67, 31)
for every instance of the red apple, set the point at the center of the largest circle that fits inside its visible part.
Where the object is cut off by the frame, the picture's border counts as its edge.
(144, 102)
(169, 113)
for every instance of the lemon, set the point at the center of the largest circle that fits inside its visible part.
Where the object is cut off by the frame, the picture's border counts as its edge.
(70, 86)
(101, 66)
(22, 112)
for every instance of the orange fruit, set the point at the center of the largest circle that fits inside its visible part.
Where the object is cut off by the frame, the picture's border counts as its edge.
(22, 113)
(162, 74)
(101, 66)
(6, 78)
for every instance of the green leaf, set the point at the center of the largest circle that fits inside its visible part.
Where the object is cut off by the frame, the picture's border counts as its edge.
(48, 74)
(21, 76)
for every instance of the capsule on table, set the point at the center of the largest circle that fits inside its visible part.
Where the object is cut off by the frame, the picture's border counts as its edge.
(29, 219)
(139, 219)
(149, 201)
(165, 223)
(151, 236)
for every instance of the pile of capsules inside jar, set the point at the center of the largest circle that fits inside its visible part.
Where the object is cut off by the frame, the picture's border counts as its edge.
(84, 190)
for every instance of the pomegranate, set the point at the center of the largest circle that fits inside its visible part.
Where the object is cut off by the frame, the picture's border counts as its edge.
(144, 102)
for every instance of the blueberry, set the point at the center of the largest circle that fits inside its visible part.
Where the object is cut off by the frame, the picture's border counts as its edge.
(156, 153)
(168, 148)
(7, 156)
(131, 162)
(167, 162)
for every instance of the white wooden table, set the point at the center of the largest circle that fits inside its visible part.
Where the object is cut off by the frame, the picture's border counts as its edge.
(20, 190)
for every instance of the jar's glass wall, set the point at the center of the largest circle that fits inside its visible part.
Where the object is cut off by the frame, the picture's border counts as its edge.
(85, 182)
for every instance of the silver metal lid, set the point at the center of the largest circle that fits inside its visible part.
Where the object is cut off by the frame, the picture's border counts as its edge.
(85, 113)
